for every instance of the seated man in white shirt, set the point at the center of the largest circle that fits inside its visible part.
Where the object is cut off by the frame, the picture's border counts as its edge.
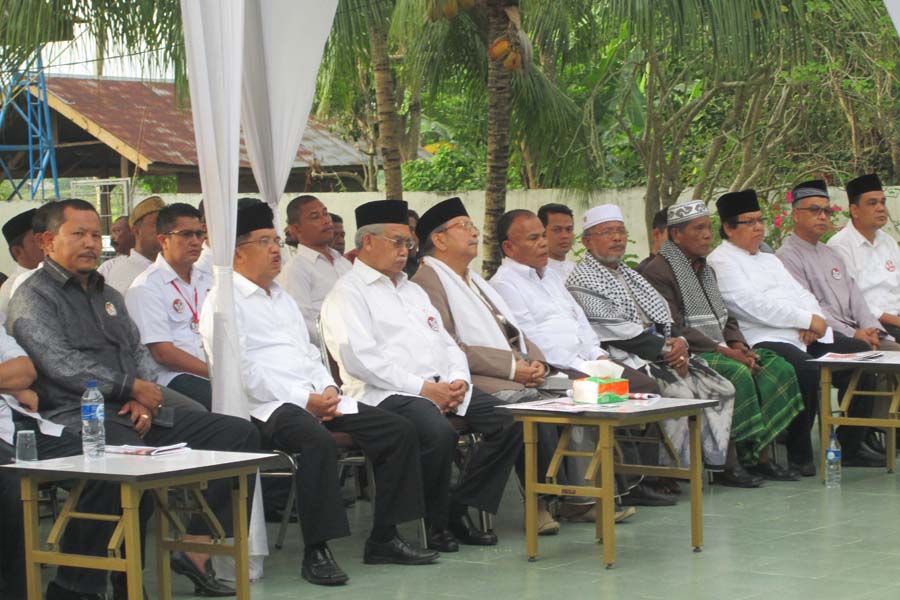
(559, 227)
(340, 237)
(296, 405)
(774, 311)
(122, 240)
(25, 250)
(502, 360)
(872, 256)
(553, 320)
(165, 300)
(313, 270)
(122, 270)
(394, 353)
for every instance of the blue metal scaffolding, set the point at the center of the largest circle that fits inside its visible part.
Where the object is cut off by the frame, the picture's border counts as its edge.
(25, 97)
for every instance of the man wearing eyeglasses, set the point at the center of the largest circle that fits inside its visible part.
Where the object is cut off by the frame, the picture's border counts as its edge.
(393, 352)
(775, 312)
(295, 403)
(311, 273)
(164, 302)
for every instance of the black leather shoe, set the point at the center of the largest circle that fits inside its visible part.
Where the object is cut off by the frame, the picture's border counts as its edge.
(859, 460)
(772, 471)
(442, 540)
(738, 477)
(644, 495)
(867, 454)
(465, 531)
(397, 551)
(205, 583)
(320, 568)
(805, 470)
(874, 441)
(120, 586)
(56, 592)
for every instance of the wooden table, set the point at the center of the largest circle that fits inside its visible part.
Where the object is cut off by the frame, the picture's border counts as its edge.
(887, 364)
(136, 475)
(601, 469)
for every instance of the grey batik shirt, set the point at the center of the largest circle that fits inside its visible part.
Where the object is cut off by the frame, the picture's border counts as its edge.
(73, 335)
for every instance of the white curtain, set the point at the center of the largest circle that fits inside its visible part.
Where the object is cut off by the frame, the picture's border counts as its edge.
(283, 45)
(893, 8)
(213, 36)
(276, 45)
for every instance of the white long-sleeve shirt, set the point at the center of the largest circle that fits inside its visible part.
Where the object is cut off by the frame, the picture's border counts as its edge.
(875, 267)
(123, 272)
(278, 364)
(388, 339)
(548, 314)
(308, 277)
(769, 304)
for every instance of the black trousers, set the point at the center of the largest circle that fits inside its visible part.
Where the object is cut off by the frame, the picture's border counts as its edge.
(799, 442)
(12, 531)
(390, 442)
(196, 388)
(487, 471)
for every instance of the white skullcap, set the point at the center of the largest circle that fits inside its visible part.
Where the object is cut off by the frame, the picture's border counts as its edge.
(601, 214)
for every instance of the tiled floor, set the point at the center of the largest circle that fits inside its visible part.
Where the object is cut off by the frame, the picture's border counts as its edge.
(793, 540)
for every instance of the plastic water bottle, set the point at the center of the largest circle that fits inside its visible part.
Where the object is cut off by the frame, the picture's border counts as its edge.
(833, 463)
(93, 423)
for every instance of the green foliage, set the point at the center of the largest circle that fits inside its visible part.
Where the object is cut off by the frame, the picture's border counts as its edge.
(157, 184)
(450, 169)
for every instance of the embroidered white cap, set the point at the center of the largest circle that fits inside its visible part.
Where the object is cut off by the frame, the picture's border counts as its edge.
(601, 214)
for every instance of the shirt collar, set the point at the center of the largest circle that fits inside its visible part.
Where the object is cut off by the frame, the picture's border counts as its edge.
(166, 271)
(370, 275)
(63, 276)
(247, 288)
(796, 239)
(134, 254)
(311, 255)
(520, 269)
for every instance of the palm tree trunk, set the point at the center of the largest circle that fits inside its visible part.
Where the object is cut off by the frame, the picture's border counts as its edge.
(389, 135)
(499, 80)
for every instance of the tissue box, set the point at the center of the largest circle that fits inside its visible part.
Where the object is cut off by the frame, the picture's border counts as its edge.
(596, 390)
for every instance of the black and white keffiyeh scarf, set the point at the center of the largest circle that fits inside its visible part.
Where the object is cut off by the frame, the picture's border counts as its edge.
(605, 300)
(704, 308)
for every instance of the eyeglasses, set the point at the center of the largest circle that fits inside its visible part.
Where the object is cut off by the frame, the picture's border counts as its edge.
(752, 222)
(815, 210)
(621, 231)
(400, 242)
(264, 242)
(187, 234)
(464, 225)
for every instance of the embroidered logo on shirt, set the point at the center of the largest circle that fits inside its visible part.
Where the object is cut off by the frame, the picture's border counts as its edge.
(836, 273)
(432, 322)
(178, 305)
(111, 309)
(889, 265)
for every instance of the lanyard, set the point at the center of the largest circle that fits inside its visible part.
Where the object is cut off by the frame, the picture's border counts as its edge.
(195, 318)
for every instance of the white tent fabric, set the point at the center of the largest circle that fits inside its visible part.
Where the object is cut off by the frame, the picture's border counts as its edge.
(276, 47)
(283, 45)
(213, 34)
(893, 8)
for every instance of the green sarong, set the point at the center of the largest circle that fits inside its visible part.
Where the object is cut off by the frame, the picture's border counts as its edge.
(764, 404)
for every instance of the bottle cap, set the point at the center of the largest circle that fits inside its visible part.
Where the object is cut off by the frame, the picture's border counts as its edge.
(92, 383)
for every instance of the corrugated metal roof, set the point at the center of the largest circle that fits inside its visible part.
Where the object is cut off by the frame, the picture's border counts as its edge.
(146, 117)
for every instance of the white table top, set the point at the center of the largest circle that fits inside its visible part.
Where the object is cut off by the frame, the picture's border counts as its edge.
(616, 410)
(888, 361)
(124, 467)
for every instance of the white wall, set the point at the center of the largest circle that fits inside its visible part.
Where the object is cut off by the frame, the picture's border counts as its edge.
(630, 200)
